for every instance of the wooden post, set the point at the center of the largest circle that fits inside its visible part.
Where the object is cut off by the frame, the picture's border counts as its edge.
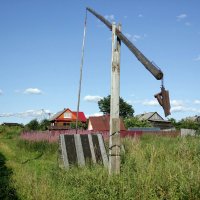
(114, 140)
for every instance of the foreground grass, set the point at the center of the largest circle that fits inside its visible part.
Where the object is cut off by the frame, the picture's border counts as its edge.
(152, 168)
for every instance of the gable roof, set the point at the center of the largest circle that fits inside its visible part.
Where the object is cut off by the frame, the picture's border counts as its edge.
(148, 116)
(102, 123)
(81, 116)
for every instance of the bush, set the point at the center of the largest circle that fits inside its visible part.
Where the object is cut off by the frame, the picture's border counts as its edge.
(135, 122)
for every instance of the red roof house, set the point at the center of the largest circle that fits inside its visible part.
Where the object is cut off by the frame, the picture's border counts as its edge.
(102, 123)
(65, 118)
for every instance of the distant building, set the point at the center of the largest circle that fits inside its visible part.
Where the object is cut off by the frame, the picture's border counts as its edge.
(11, 124)
(64, 119)
(155, 119)
(102, 123)
(195, 118)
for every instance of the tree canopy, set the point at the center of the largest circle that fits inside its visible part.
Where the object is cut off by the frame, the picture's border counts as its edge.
(185, 123)
(35, 125)
(125, 110)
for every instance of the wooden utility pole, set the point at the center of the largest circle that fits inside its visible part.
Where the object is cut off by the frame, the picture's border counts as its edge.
(114, 140)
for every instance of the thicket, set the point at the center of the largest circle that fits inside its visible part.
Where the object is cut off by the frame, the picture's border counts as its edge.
(35, 125)
(135, 122)
(187, 124)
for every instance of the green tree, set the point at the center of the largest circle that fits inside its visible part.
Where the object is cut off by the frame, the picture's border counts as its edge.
(135, 122)
(33, 125)
(44, 124)
(125, 110)
(185, 123)
(189, 124)
(80, 125)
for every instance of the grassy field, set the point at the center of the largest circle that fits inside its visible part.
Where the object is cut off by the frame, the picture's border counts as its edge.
(152, 168)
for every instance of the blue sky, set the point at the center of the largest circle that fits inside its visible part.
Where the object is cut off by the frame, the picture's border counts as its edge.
(40, 53)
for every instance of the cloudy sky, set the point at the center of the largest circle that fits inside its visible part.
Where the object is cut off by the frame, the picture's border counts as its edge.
(40, 54)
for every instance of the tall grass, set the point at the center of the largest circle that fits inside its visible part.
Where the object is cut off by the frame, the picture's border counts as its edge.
(152, 168)
(38, 146)
(9, 132)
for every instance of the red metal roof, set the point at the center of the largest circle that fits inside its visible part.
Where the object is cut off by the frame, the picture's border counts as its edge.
(102, 123)
(81, 116)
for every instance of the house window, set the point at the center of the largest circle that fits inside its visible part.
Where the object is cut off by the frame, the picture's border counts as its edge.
(67, 115)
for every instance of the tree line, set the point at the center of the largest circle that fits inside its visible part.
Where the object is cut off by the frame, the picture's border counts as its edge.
(126, 112)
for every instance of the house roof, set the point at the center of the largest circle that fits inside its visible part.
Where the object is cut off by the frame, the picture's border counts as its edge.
(81, 115)
(148, 116)
(102, 123)
(145, 116)
(193, 118)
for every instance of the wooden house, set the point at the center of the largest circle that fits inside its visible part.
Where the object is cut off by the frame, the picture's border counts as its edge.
(65, 118)
(102, 123)
(155, 119)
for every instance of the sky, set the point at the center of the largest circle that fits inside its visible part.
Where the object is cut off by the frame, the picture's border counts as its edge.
(40, 56)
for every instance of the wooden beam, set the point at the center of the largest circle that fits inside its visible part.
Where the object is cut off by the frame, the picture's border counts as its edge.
(114, 140)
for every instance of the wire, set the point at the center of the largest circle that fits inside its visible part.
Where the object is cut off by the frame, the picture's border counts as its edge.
(81, 71)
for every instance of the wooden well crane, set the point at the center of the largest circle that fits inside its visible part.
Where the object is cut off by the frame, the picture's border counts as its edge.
(162, 97)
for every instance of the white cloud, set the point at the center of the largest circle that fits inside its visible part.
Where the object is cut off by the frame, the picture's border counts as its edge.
(181, 17)
(187, 23)
(90, 98)
(136, 37)
(197, 58)
(125, 17)
(110, 17)
(140, 15)
(128, 35)
(196, 101)
(178, 109)
(184, 109)
(28, 113)
(94, 114)
(6, 114)
(150, 103)
(176, 103)
(1, 92)
(33, 113)
(154, 102)
(32, 91)
(129, 101)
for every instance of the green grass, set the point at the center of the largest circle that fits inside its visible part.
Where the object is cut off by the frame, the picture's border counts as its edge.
(152, 168)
